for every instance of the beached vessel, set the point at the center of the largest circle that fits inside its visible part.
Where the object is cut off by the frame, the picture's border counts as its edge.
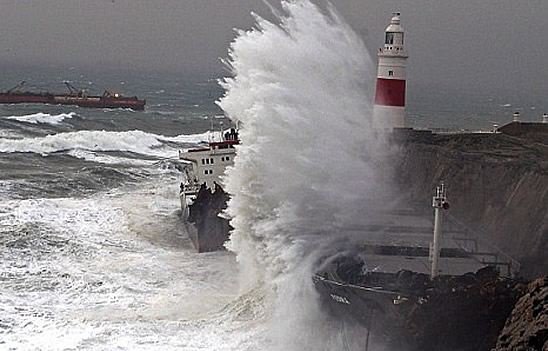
(402, 283)
(202, 196)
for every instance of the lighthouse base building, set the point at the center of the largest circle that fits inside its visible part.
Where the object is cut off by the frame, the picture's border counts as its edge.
(389, 109)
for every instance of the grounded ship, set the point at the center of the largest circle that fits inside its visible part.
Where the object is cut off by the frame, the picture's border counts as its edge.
(409, 289)
(75, 97)
(399, 281)
(454, 291)
(412, 291)
(202, 196)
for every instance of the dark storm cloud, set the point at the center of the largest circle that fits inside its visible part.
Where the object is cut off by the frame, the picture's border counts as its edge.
(474, 44)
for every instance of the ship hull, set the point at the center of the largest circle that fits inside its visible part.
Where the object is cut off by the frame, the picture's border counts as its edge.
(206, 228)
(360, 303)
(408, 310)
(61, 99)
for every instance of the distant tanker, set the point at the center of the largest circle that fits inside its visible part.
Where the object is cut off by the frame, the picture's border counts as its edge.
(74, 97)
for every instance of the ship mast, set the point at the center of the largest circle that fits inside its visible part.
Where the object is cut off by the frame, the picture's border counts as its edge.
(439, 202)
(16, 89)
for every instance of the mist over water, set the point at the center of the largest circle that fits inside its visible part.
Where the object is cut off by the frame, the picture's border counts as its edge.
(301, 91)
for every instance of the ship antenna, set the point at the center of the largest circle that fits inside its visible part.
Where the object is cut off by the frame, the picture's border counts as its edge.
(17, 88)
(221, 130)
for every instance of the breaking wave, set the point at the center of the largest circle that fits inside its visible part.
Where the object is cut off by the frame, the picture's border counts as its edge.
(302, 93)
(107, 273)
(129, 141)
(134, 141)
(40, 117)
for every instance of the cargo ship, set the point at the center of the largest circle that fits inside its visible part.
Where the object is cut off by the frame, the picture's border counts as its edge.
(75, 97)
(404, 285)
(202, 196)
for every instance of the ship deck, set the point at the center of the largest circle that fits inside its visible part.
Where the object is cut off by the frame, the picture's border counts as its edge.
(400, 239)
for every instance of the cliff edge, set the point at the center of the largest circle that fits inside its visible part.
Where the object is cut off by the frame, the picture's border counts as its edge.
(497, 184)
(527, 327)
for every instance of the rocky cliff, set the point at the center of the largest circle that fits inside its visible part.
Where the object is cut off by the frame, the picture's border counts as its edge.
(527, 327)
(497, 184)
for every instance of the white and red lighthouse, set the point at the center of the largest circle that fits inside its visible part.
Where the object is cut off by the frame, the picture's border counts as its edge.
(389, 109)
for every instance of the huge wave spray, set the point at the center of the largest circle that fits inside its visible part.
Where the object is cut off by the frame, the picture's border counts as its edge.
(301, 91)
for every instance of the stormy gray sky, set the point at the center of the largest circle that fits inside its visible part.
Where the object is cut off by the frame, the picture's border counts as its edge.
(472, 44)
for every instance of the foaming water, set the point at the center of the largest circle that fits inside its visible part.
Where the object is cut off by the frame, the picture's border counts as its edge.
(93, 252)
(307, 164)
(133, 141)
(42, 118)
(136, 141)
(113, 272)
(109, 267)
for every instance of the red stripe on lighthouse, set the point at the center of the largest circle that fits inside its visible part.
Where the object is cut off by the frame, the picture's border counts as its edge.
(390, 92)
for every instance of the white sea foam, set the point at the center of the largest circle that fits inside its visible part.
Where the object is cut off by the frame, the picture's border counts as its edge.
(111, 272)
(9, 133)
(306, 166)
(121, 279)
(107, 159)
(135, 141)
(132, 141)
(40, 117)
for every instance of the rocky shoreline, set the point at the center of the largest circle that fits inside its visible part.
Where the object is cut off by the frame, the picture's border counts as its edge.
(498, 183)
(526, 329)
(451, 313)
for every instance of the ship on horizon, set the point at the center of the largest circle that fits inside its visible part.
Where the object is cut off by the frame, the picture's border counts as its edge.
(74, 97)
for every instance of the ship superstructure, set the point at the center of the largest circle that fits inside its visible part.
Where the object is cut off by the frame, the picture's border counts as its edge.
(207, 165)
(201, 193)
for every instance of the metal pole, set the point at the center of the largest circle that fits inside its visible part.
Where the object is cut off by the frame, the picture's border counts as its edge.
(439, 203)
(369, 330)
(436, 244)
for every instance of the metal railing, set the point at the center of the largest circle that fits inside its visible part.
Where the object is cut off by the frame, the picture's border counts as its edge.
(473, 241)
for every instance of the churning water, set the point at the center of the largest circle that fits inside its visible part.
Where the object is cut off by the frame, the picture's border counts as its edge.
(307, 160)
(92, 252)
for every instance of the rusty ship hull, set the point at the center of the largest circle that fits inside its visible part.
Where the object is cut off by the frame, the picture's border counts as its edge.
(67, 99)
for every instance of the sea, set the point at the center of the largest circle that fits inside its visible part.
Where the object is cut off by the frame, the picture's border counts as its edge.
(93, 252)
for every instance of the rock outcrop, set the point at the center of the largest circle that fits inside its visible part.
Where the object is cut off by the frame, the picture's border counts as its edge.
(527, 327)
(461, 313)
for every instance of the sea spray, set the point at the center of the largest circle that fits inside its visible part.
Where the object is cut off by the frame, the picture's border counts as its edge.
(301, 92)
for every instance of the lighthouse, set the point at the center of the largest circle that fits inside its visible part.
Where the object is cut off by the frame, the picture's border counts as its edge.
(389, 109)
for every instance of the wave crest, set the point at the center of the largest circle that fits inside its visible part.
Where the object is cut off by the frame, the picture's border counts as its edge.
(45, 118)
(307, 165)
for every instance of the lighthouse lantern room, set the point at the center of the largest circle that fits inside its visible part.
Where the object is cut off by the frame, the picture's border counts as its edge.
(389, 109)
